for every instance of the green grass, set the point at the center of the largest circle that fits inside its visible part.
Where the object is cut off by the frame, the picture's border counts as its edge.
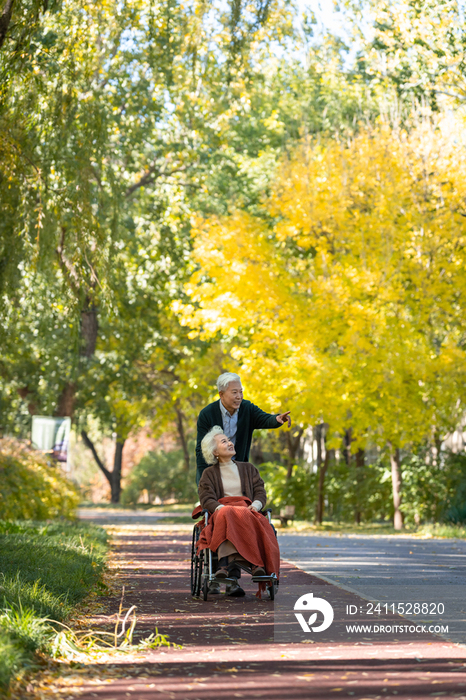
(45, 570)
(434, 530)
(442, 530)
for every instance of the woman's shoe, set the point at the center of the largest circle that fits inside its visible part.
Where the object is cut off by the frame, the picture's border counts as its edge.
(222, 572)
(258, 571)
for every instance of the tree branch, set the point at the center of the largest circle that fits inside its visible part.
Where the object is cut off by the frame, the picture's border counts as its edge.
(149, 177)
(88, 442)
(449, 94)
(146, 179)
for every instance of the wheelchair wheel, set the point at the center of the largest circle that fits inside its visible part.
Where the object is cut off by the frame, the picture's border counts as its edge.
(196, 566)
(205, 588)
(206, 567)
(272, 589)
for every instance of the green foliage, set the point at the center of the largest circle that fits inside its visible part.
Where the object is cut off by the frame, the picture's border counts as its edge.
(30, 487)
(162, 474)
(365, 490)
(13, 660)
(45, 570)
(299, 491)
(348, 490)
(456, 514)
(431, 491)
(454, 506)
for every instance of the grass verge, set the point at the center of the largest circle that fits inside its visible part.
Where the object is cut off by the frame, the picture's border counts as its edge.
(46, 569)
(429, 530)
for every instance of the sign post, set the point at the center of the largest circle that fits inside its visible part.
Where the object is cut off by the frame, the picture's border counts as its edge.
(52, 435)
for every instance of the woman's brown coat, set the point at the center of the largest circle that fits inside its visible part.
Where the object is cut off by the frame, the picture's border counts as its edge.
(211, 486)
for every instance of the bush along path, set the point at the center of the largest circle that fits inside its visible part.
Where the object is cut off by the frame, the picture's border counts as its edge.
(227, 644)
(46, 569)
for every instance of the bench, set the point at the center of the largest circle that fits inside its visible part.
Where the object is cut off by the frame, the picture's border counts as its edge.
(286, 514)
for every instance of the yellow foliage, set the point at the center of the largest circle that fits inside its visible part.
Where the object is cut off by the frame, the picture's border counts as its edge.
(32, 489)
(344, 300)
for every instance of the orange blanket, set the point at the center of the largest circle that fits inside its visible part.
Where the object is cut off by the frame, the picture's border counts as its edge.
(249, 531)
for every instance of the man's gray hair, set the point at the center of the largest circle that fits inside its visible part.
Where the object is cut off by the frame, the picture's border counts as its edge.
(208, 445)
(225, 379)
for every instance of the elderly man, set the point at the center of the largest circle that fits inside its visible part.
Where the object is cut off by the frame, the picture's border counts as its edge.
(238, 417)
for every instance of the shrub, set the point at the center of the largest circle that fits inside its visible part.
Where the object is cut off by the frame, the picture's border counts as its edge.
(358, 489)
(299, 491)
(454, 505)
(31, 487)
(162, 474)
(456, 515)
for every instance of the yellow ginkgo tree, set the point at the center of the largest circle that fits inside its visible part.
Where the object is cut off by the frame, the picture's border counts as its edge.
(344, 298)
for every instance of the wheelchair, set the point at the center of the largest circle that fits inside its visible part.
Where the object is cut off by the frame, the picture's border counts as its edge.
(203, 565)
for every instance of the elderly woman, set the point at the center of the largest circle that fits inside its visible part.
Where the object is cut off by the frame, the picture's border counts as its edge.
(234, 493)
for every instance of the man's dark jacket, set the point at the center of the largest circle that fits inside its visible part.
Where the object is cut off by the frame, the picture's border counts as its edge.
(250, 418)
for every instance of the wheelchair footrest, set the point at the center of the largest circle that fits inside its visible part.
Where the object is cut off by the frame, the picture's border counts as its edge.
(223, 580)
(265, 579)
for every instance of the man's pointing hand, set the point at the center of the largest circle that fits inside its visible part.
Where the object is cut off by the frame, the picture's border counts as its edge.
(284, 417)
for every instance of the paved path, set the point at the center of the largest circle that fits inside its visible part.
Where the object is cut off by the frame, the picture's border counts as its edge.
(352, 559)
(393, 569)
(108, 516)
(229, 649)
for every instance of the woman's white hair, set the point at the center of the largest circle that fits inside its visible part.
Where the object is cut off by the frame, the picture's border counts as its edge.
(225, 379)
(208, 444)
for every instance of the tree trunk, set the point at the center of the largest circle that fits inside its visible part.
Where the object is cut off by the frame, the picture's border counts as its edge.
(321, 469)
(257, 456)
(89, 331)
(5, 19)
(329, 455)
(360, 460)
(182, 436)
(293, 443)
(396, 487)
(347, 446)
(116, 474)
(65, 405)
(89, 328)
